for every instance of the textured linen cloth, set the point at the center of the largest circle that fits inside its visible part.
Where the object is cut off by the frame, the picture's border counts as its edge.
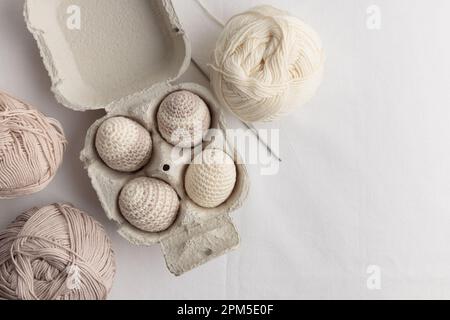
(365, 177)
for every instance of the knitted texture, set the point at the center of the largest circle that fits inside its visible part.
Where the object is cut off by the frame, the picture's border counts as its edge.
(266, 62)
(123, 144)
(183, 119)
(210, 180)
(31, 148)
(55, 253)
(149, 204)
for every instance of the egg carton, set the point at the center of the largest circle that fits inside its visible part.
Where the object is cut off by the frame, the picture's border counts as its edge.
(123, 57)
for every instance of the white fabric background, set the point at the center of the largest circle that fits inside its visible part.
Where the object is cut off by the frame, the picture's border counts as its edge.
(365, 178)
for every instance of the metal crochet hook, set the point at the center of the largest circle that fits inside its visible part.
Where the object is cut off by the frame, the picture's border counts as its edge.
(249, 126)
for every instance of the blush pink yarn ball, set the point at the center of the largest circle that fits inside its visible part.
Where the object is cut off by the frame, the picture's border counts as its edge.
(55, 253)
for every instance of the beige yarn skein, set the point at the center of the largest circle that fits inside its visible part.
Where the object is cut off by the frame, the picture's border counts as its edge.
(266, 62)
(123, 144)
(183, 119)
(149, 204)
(210, 180)
(31, 148)
(55, 253)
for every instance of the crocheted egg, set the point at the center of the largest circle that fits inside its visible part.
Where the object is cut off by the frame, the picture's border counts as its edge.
(210, 180)
(183, 119)
(31, 148)
(149, 204)
(123, 144)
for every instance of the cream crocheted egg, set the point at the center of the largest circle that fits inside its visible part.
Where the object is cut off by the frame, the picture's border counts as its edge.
(123, 144)
(210, 180)
(183, 119)
(149, 204)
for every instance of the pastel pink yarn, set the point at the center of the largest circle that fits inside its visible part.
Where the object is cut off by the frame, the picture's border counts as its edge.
(31, 148)
(55, 253)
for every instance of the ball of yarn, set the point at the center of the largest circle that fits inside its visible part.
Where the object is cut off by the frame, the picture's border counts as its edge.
(55, 253)
(149, 204)
(183, 119)
(123, 144)
(31, 148)
(210, 180)
(265, 63)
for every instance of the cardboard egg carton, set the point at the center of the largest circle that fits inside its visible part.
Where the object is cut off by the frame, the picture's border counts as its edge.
(123, 56)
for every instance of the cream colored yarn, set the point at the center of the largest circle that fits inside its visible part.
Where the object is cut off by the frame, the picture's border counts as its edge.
(266, 62)
(55, 253)
(149, 204)
(31, 148)
(183, 119)
(123, 144)
(210, 180)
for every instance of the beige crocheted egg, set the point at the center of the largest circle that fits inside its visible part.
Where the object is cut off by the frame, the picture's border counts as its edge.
(183, 119)
(123, 144)
(149, 204)
(210, 180)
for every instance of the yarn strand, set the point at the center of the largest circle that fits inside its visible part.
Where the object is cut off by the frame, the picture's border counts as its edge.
(210, 14)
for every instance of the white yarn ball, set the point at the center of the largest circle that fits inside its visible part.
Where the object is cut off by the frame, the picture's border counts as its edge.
(183, 119)
(123, 144)
(149, 204)
(210, 180)
(266, 62)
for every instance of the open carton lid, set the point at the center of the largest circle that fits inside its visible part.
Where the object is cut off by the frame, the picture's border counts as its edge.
(97, 57)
